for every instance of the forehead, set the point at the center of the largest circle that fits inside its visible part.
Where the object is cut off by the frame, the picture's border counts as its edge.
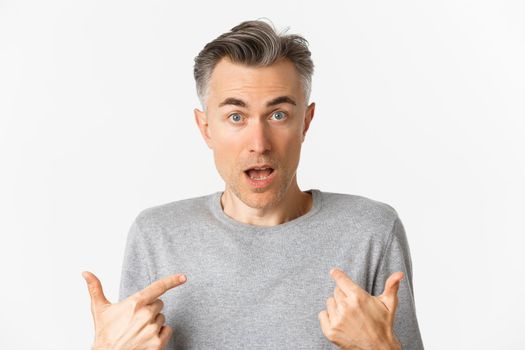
(230, 79)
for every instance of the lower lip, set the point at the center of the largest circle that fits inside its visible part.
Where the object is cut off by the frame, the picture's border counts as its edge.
(261, 183)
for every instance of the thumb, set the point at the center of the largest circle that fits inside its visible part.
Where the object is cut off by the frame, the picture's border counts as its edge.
(95, 290)
(389, 295)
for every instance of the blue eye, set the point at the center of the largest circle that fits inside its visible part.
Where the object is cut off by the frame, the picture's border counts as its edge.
(283, 115)
(236, 114)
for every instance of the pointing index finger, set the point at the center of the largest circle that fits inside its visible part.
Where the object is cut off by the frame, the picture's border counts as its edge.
(344, 282)
(159, 287)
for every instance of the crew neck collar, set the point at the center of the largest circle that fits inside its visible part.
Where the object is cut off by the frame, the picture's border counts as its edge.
(216, 208)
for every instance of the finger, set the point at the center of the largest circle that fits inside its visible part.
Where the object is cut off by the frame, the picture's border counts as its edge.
(155, 307)
(324, 320)
(95, 290)
(339, 295)
(159, 287)
(331, 307)
(165, 335)
(159, 320)
(389, 295)
(152, 329)
(344, 282)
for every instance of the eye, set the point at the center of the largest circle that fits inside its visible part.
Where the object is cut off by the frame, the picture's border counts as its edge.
(237, 117)
(280, 115)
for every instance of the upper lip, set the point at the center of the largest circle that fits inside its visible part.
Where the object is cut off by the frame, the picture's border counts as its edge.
(259, 166)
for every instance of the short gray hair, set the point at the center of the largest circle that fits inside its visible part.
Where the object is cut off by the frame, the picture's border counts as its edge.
(254, 43)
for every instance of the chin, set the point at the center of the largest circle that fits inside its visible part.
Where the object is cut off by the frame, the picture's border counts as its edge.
(257, 198)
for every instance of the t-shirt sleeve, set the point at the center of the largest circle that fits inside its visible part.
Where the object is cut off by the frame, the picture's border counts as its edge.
(396, 257)
(135, 273)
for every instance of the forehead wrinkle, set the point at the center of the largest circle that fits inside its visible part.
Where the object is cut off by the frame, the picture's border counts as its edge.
(240, 96)
(283, 99)
(229, 79)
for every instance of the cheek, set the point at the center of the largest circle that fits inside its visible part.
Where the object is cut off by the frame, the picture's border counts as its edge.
(226, 155)
(290, 144)
(293, 152)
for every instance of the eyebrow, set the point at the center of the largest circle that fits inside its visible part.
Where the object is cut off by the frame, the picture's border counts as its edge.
(237, 102)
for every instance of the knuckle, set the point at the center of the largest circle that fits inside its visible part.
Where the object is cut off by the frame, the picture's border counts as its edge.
(144, 316)
(352, 301)
(148, 308)
(334, 325)
(156, 343)
(337, 322)
(331, 334)
(149, 312)
(363, 298)
(134, 302)
(356, 300)
(345, 307)
(151, 330)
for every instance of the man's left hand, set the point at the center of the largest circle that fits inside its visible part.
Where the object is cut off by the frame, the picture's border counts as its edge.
(354, 319)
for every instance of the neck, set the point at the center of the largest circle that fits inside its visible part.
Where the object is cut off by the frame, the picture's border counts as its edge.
(292, 205)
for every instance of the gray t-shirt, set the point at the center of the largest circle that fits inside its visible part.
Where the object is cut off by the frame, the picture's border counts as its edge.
(255, 287)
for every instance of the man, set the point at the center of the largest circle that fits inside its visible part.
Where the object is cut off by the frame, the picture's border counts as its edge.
(258, 257)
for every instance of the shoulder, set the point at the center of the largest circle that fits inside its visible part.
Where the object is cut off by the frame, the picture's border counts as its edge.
(176, 213)
(359, 206)
(364, 213)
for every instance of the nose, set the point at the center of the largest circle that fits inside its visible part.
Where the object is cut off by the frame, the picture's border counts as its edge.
(259, 137)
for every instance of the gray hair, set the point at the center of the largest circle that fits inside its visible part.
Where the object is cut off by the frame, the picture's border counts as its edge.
(254, 43)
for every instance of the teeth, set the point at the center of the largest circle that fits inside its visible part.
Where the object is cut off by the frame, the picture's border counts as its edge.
(262, 177)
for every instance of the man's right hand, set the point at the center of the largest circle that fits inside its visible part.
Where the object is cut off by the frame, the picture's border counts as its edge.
(134, 323)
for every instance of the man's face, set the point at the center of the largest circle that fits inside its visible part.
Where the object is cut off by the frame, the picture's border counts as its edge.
(255, 115)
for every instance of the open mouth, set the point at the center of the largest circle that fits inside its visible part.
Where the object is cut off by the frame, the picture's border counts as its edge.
(259, 174)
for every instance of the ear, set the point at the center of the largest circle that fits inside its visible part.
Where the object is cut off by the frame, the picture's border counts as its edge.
(202, 123)
(308, 117)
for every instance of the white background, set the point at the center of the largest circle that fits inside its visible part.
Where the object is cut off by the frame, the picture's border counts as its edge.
(419, 105)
